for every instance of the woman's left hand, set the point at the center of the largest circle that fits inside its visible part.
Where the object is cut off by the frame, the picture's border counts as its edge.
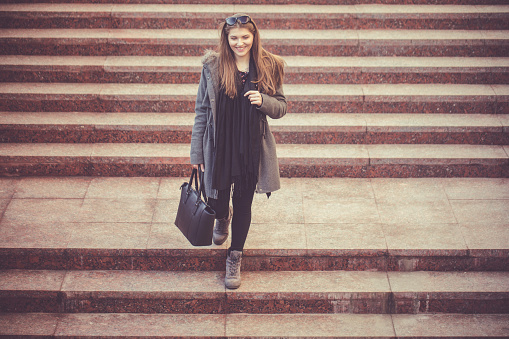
(255, 97)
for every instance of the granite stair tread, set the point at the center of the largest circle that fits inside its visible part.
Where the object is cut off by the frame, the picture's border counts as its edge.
(303, 128)
(360, 224)
(351, 121)
(357, 154)
(310, 98)
(268, 16)
(165, 63)
(193, 42)
(157, 69)
(200, 35)
(292, 90)
(261, 292)
(305, 160)
(375, 326)
(280, 2)
(261, 9)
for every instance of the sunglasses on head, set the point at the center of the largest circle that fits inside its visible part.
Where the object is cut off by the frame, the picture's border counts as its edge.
(244, 19)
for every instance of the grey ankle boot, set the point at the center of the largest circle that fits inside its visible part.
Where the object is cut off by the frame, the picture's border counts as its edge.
(220, 233)
(232, 279)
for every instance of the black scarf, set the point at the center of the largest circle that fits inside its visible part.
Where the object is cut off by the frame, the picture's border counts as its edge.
(238, 137)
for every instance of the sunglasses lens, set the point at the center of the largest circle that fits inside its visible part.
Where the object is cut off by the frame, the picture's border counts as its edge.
(231, 21)
(243, 19)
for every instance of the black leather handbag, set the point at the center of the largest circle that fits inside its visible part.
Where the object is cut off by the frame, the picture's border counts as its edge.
(195, 218)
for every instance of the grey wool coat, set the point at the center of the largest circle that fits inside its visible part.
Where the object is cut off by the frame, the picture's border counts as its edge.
(203, 138)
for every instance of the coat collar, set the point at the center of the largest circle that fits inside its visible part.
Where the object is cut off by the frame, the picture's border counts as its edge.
(211, 61)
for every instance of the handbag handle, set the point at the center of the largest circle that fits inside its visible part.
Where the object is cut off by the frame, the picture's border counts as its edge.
(198, 187)
(193, 175)
(202, 188)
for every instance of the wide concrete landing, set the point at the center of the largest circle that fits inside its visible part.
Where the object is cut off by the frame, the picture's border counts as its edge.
(465, 215)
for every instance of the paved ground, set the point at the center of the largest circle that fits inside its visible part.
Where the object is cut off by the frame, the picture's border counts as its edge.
(312, 214)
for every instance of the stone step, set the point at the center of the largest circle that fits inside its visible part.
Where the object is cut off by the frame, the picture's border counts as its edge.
(275, 2)
(182, 257)
(180, 98)
(307, 70)
(445, 224)
(261, 292)
(330, 160)
(304, 128)
(376, 326)
(193, 42)
(196, 16)
(107, 223)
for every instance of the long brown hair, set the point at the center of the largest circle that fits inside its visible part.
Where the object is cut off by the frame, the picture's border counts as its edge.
(269, 67)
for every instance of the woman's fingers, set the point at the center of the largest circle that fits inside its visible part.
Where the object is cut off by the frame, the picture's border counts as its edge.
(255, 97)
(202, 166)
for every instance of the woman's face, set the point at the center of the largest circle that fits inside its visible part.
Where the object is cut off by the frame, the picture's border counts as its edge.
(241, 41)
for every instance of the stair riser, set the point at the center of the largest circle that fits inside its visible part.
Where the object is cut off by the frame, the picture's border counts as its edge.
(255, 303)
(146, 260)
(93, 302)
(287, 21)
(430, 303)
(90, 134)
(289, 168)
(41, 301)
(313, 170)
(276, 2)
(82, 75)
(331, 76)
(471, 138)
(346, 104)
(112, 47)
(377, 303)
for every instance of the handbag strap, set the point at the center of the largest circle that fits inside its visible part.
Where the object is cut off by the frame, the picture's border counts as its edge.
(202, 188)
(194, 175)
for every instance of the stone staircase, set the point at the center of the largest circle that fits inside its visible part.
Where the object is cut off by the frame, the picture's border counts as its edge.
(392, 220)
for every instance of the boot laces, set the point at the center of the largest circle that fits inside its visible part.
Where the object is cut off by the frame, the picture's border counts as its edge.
(223, 224)
(234, 265)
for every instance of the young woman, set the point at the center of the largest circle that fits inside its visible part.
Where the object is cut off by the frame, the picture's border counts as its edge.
(240, 85)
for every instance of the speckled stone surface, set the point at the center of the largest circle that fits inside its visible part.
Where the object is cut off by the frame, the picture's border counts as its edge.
(301, 128)
(383, 89)
(312, 98)
(255, 325)
(283, 2)
(311, 161)
(297, 17)
(155, 42)
(333, 224)
(447, 325)
(261, 292)
(15, 46)
(29, 324)
(484, 300)
(150, 69)
(40, 74)
(39, 291)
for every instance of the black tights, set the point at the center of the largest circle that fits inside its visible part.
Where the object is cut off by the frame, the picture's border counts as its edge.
(241, 219)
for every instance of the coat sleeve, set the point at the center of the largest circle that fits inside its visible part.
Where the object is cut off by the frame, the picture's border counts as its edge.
(200, 121)
(274, 106)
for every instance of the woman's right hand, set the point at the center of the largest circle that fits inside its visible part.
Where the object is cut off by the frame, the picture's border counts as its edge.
(201, 166)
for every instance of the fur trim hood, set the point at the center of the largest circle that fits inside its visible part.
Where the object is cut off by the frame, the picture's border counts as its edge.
(209, 57)
(211, 61)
